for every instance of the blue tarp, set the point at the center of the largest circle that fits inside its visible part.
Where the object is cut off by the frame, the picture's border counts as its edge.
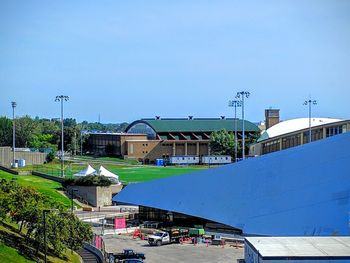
(303, 190)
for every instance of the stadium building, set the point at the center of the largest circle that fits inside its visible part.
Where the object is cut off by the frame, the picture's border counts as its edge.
(150, 139)
(290, 133)
(301, 191)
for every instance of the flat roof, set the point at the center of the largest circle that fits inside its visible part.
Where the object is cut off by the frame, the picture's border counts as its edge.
(301, 246)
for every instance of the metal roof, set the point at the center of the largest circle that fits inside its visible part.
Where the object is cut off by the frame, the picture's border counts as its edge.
(301, 246)
(196, 125)
(293, 125)
(303, 190)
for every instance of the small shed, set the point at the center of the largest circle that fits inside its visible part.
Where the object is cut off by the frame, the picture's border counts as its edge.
(297, 249)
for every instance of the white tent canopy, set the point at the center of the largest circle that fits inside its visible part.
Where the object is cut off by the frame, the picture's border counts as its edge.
(87, 171)
(103, 171)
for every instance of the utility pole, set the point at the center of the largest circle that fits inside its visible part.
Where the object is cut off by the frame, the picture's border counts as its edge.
(62, 98)
(310, 103)
(241, 95)
(81, 140)
(14, 104)
(72, 196)
(235, 104)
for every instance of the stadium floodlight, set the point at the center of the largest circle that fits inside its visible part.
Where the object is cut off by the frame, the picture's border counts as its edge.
(235, 104)
(309, 103)
(242, 95)
(62, 98)
(13, 104)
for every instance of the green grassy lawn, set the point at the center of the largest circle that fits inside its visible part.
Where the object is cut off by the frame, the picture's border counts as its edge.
(112, 159)
(131, 174)
(46, 187)
(9, 254)
(127, 173)
(11, 241)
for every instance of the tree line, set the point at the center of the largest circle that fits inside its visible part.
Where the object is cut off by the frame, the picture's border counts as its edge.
(46, 133)
(24, 206)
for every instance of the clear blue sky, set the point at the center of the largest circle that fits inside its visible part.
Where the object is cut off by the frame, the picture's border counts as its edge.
(127, 60)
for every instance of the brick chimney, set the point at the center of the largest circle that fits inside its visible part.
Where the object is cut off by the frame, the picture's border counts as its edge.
(272, 117)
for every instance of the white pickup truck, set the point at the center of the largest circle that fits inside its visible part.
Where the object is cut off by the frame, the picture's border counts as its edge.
(165, 237)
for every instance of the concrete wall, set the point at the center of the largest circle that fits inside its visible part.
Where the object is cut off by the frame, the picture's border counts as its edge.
(139, 149)
(30, 157)
(49, 177)
(97, 196)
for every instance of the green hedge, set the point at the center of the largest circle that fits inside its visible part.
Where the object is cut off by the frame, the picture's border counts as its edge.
(88, 180)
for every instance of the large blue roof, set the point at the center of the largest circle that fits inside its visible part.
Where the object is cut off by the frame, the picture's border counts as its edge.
(303, 190)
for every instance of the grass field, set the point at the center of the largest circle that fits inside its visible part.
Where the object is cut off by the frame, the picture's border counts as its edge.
(9, 254)
(11, 241)
(127, 173)
(132, 174)
(44, 186)
(111, 159)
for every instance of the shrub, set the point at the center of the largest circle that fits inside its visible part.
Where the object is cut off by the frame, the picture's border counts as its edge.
(88, 180)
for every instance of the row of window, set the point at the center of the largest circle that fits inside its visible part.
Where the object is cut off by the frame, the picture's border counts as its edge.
(295, 140)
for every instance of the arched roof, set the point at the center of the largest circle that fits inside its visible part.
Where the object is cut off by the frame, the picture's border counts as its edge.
(293, 125)
(195, 125)
(303, 191)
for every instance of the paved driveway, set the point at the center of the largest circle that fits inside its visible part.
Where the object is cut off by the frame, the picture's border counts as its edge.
(174, 252)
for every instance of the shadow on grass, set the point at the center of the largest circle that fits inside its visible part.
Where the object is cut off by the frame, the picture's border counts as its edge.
(13, 238)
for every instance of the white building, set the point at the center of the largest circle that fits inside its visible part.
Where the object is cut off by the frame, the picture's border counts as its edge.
(216, 159)
(297, 249)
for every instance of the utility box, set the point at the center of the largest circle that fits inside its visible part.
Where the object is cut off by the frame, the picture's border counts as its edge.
(21, 163)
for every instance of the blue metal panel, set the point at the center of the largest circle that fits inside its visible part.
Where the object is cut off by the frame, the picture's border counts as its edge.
(303, 190)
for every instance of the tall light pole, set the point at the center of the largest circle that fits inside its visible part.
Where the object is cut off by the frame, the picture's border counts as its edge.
(310, 103)
(62, 98)
(81, 140)
(72, 196)
(14, 104)
(241, 95)
(235, 104)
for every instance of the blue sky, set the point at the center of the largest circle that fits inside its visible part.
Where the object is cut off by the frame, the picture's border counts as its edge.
(127, 60)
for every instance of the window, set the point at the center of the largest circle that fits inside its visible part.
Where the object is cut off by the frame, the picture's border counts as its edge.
(142, 128)
(271, 146)
(331, 131)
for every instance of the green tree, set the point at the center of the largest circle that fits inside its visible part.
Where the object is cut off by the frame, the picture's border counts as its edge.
(25, 206)
(7, 189)
(79, 232)
(5, 131)
(222, 143)
(26, 128)
(42, 141)
(52, 128)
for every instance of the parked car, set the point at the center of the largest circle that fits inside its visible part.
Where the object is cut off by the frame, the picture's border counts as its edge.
(129, 254)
